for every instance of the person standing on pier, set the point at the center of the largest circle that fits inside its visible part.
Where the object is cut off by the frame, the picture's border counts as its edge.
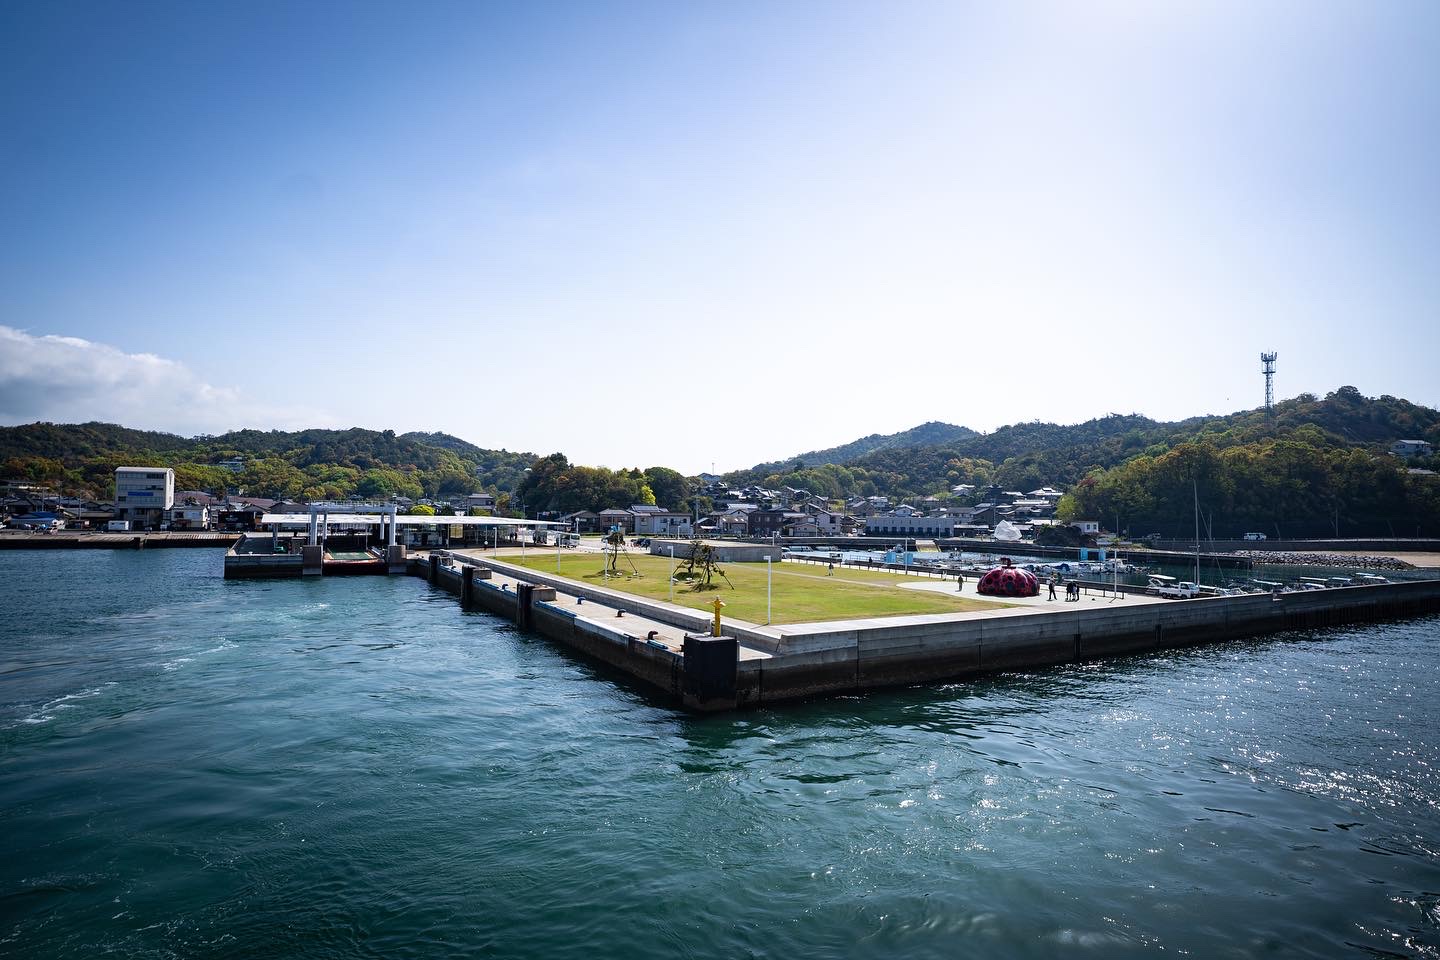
(1052, 587)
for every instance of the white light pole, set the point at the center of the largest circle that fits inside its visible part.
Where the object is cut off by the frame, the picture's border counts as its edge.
(769, 571)
(672, 573)
(557, 551)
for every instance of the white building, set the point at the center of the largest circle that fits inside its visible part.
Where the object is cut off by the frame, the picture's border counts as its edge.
(909, 526)
(479, 501)
(143, 495)
(656, 522)
(1410, 448)
(827, 523)
(190, 516)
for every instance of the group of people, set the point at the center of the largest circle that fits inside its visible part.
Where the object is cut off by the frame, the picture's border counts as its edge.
(1072, 589)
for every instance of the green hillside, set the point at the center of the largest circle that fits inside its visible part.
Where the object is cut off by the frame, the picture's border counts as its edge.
(1315, 465)
(927, 434)
(330, 464)
(1312, 466)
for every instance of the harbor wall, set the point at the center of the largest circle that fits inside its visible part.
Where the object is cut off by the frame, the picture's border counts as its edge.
(258, 566)
(816, 659)
(649, 662)
(725, 551)
(1376, 547)
(690, 620)
(905, 650)
(123, 540)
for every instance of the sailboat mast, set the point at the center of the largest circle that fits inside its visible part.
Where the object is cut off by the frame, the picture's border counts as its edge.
(1195, 487)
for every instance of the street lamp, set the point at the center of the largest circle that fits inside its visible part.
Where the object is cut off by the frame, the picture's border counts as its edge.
(769, 572)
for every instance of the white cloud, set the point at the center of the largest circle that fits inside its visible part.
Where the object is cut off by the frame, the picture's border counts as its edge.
(68, 380)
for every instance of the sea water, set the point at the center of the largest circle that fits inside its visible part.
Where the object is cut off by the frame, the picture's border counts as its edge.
(345, 767)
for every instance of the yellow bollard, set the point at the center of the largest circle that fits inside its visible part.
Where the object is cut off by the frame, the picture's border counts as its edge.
(715, 629)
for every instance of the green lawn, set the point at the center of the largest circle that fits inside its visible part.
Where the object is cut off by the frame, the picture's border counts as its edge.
(802, 592)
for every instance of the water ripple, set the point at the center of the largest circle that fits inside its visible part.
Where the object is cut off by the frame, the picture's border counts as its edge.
(355, 767)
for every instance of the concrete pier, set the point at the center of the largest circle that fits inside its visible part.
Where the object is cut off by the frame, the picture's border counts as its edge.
(664, 647)
(103, 540)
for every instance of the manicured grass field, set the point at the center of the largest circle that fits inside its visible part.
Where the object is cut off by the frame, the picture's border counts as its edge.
(803, 593)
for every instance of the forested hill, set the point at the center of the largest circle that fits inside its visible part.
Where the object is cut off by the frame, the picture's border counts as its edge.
(330, 464)
(927, 434)
(1320, 469)
(1311, 466)
(1027, 455)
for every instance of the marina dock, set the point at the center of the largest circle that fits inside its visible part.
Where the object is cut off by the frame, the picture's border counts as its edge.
(349, 538)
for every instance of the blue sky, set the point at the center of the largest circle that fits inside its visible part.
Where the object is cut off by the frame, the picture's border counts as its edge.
(696, 233)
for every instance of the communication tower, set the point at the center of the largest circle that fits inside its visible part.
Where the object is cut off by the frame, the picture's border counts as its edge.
(1268, 359)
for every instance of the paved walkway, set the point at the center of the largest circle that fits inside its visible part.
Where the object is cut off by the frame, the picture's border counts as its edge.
(1088, 596)
(639, 627)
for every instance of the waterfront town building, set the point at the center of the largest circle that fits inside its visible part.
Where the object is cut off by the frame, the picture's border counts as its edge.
(143, 495)
(657, 521)
(479, 501)
(909, 525)
(189, 516)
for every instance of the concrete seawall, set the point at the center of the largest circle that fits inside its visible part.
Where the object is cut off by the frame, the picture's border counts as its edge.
(783, 663)
(126, 540)
(819, 657)
(531, 606)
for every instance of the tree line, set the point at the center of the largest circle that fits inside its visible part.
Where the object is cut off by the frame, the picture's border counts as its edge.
(282, 465)
(1311, 466)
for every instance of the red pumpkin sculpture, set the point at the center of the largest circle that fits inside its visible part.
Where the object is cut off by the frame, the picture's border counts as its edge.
(1008, 580)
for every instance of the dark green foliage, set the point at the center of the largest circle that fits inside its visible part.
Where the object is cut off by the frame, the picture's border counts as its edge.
(329, 464)
(1289, 487)
(554, 484)
(1312, 466)
(1299, 442)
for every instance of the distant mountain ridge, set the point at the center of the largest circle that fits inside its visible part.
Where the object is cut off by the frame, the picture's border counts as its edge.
(1023, 456)
(927, 434)
(444, 440)
(1338, 444)
(313, 463)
